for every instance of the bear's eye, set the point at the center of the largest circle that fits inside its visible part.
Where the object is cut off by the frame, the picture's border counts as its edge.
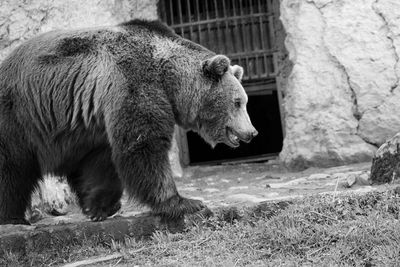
(237, 103)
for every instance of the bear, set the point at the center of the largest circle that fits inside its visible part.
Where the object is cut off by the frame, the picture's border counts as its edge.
(99, 105)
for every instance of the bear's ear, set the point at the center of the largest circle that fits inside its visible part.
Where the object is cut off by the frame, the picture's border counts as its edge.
(216, 66)
(237, 72)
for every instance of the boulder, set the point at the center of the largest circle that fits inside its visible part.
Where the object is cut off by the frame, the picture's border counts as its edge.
(386, 163)
(342, 95)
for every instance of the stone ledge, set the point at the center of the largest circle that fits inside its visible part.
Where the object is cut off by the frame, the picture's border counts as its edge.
(23, 239)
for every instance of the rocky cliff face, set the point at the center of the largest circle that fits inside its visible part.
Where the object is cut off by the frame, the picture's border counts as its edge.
(342, 98)
(21, 20)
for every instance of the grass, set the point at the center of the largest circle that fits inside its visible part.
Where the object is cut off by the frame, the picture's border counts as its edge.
(315, 231)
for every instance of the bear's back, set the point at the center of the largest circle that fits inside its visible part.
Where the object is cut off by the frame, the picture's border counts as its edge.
(57, 79)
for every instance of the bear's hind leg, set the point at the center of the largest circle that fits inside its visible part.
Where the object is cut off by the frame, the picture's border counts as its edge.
(97, 185)
(19, 175)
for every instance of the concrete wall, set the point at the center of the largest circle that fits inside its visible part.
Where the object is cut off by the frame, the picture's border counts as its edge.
(342, 97)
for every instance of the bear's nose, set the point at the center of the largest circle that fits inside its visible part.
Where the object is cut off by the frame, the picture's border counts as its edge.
(250, 136)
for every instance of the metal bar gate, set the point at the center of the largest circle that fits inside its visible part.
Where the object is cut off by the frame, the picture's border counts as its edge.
(241, 29)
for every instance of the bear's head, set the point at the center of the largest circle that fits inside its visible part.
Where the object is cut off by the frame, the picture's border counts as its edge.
(223, 116)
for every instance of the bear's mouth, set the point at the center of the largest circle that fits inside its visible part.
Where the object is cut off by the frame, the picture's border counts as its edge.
(232, 137)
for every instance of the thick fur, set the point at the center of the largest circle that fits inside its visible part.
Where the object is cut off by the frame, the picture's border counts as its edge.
(99, 106)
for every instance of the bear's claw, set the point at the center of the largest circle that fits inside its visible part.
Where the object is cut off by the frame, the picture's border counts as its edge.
(176, 207)
(98, 213)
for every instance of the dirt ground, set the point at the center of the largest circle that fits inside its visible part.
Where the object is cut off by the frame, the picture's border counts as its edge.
(249, 184)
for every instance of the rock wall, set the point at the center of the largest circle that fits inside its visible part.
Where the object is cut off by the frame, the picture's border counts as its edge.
(22, 19)
(342, 98)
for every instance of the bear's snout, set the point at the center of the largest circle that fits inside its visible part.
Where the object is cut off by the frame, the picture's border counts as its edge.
(253, 134)
(248, 136)
(241, 129)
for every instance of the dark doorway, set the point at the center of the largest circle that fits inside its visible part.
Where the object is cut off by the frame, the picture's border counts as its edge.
(244, 30)
(262, 111)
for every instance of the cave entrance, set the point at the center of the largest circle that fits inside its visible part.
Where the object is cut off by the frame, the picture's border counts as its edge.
(245, 31)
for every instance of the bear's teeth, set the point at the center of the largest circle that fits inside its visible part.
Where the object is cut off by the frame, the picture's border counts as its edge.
(234, 137)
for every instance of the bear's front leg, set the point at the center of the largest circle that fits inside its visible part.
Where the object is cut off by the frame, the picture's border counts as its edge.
(140, 136)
